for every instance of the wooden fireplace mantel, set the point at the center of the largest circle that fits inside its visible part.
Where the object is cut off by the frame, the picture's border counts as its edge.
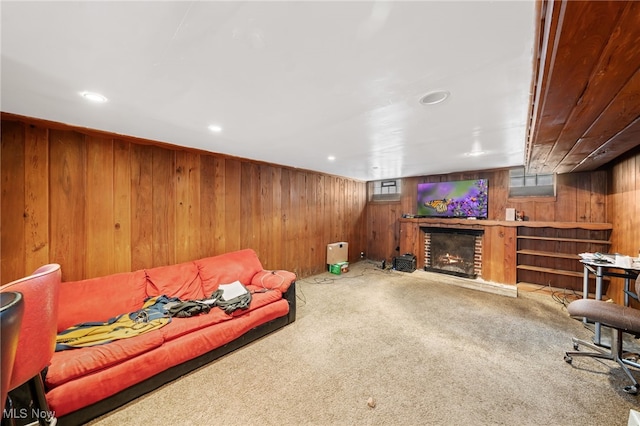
(499, 246)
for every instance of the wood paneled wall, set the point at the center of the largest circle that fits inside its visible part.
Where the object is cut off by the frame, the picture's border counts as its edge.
(624, 213)
(581, 197)
(99, 204)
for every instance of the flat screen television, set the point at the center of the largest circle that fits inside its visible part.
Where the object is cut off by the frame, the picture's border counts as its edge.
(462, 198)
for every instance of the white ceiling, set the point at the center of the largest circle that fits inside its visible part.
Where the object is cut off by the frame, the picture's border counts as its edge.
(289, 82)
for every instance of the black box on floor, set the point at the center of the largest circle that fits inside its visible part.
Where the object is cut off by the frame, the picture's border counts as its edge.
(405, 263)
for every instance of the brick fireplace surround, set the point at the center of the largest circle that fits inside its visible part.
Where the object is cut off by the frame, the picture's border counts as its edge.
(496, 259)
(455, 252)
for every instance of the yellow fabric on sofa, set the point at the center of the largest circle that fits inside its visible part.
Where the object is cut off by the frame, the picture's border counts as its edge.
(151, 317)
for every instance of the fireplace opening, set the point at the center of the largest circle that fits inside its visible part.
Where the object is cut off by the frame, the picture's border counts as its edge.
(453, 251)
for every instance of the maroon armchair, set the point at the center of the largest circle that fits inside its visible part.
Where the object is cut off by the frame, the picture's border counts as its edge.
(37, 337)
(617, 317)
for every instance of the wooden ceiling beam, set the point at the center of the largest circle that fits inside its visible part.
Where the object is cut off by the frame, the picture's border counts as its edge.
(586, 90)
(601, 111)
(609, 126)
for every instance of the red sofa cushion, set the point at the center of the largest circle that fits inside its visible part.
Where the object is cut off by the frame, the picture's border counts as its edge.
(180, 326)
(181, 280)
(98, 299)
(74, 363)
(226, 268)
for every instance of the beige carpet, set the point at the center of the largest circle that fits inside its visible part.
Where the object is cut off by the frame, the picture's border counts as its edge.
(426, 351)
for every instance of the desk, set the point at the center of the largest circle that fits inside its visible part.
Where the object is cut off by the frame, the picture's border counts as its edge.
(601, 270)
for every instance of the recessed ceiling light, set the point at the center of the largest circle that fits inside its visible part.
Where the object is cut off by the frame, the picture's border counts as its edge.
(433, 98)
(331, 158)
(94, 97)
(474, 153)
(215, 128)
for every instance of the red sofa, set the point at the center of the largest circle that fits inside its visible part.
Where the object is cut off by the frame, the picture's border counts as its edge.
(84, 383)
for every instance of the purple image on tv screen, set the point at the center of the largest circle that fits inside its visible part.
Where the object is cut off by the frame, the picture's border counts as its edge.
(463, 198)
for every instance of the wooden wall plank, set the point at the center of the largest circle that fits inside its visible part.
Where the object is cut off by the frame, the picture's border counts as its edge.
(508, 273)
(36, 197)
(182, 208)
(219, 209)
(263, 218)
(187, 206)
(598, 196)
(67, 187)
(100, 249)
(274, 258)
(313, 246)
(544, 210)
(296, 223)
(634, 213)
(141, 206)
(288, 236)
(207, 201)
(251, 208)
(194, 250)
(233, 209)
(493, 247)
(163, 212)
(249, 203)
(324, 214)
(498, 194)
(566, 197)
(12, 171)
(623, 208)
(122, 206)
(333, 212)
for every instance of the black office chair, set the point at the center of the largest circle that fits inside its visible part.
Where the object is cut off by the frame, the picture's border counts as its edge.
(620, 319)
(11, 312)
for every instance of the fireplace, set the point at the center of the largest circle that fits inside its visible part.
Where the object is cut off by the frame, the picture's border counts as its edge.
(453, 251)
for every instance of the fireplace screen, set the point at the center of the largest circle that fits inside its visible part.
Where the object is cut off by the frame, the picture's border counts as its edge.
(452, 252)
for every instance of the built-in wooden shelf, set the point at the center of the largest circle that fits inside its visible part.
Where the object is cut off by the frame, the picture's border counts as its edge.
(556, 271)
(550, 270)
(566, 240)
(549, 254)
(553, 250)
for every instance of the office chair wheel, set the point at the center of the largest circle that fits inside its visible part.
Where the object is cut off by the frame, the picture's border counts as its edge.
(633, 389)
(576, 346)
(568, 359)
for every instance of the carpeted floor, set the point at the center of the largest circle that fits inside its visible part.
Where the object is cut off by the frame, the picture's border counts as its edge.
(422, 349)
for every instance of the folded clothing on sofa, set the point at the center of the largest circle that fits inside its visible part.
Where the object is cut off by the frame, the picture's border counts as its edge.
(152, 316)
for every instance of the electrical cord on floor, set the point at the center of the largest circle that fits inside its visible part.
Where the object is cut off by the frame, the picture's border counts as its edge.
(300, 295)
(560, 297)
(563, 298)
(351, 275)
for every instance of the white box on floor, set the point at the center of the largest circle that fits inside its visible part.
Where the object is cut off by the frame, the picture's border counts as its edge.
(337, 252)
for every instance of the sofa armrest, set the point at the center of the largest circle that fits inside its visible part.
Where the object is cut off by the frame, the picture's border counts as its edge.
(274, 280)
(290, 296)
